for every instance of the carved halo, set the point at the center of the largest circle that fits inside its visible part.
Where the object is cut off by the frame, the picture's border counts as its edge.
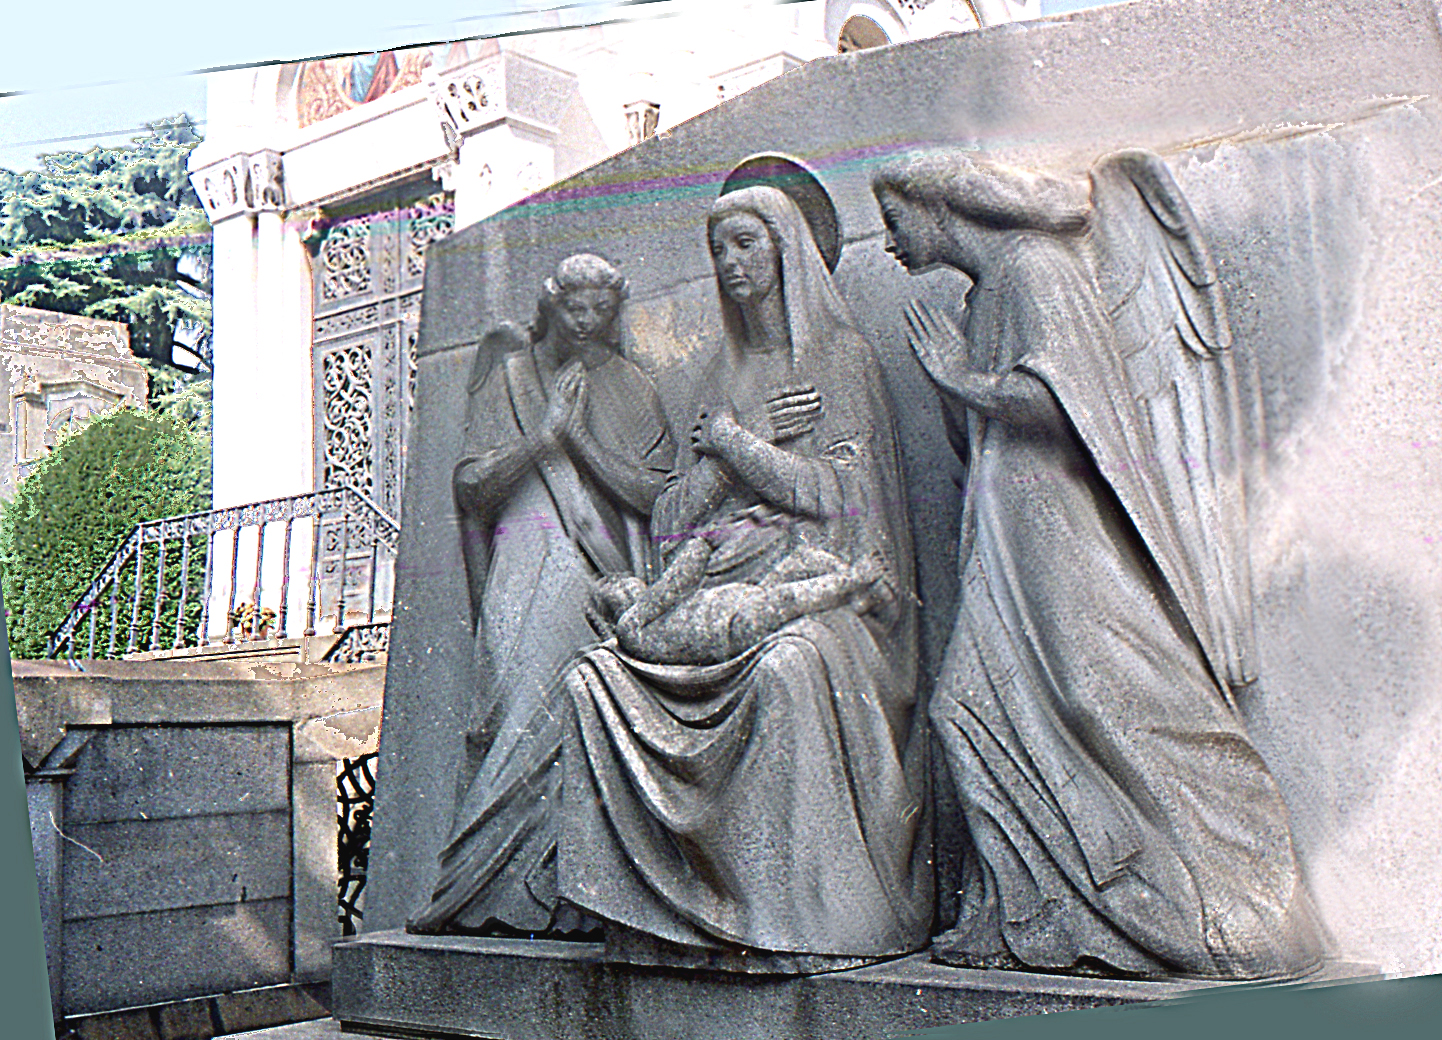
(800, 184)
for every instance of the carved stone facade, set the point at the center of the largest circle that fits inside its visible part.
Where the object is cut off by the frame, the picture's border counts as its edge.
(367, 278)
(56, 372)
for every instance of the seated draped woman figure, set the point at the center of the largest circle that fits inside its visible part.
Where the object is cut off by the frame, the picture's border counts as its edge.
(1122, 820)
(764, 812)
(566, 448)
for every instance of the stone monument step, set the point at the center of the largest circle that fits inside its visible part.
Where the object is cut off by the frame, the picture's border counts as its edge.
(394, 984)
(319, 1029)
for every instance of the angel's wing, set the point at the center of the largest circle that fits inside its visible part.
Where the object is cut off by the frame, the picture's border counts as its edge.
(504, 338)
(1161, 290)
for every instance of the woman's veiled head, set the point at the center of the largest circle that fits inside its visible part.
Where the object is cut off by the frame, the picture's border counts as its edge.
(748, 264)
(811, 301)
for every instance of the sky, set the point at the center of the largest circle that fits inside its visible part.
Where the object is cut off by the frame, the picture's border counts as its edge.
(120, 65)
(123, 64)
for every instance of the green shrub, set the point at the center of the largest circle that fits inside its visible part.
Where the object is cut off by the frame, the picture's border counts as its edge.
(79, 502)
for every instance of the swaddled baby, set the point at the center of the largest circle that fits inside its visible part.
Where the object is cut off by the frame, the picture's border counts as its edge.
(675, 621)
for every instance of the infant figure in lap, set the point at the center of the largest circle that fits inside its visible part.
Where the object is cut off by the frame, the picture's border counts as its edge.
(677, 621)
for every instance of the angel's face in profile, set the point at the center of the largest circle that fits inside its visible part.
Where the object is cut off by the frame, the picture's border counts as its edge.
(912, 236)
(585, 314)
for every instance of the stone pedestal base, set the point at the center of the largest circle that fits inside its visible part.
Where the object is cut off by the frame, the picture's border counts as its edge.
(399, 985)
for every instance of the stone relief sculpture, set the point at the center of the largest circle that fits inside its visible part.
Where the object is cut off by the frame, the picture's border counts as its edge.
(1122, 820)
(751, 796)
(566, 449)
(679, 620)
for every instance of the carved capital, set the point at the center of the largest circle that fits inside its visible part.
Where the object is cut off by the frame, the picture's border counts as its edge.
(222, 187)
(267, 184)
(642, 118)
(468, 98)
(445, 174)
(241, 184)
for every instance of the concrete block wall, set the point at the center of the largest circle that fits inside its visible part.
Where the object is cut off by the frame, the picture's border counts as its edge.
(177, 874)
(184, 817)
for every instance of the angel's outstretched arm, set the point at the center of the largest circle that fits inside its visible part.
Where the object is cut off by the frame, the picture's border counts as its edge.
(1015, 397)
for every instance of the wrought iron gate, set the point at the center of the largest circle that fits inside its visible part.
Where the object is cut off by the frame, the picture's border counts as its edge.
(367, 280)
(355, 800)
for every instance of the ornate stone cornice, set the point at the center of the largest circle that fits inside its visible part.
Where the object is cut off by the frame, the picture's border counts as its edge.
(502, 87)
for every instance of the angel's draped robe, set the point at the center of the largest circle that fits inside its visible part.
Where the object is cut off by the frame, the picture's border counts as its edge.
(532, 567)
(1119, 812)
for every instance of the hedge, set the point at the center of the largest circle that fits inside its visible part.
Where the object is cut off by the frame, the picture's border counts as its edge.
(78, 504)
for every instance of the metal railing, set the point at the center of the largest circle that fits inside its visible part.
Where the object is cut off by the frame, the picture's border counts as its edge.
(349, 546)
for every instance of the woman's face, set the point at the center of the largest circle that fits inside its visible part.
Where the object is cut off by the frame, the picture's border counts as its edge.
(585, 314)
(912, 236)
(748, 266)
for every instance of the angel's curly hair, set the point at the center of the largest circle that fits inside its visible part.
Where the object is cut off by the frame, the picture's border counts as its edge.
(985, 192)
(579, 271)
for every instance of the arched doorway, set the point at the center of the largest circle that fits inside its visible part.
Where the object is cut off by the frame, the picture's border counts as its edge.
(861, 33)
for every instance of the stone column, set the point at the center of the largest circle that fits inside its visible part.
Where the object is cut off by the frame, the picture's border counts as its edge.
(262, 333)
(263, 440)
(223, 189)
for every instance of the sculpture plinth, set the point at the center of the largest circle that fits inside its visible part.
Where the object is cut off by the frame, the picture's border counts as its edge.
(394, 984)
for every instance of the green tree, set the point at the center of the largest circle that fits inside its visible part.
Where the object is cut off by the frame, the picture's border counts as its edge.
(115, 233)
(78, 504)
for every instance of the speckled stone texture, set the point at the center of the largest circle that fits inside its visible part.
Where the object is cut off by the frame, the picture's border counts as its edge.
(1305, 135)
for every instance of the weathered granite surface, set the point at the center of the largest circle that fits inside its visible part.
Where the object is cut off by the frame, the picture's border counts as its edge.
(1305, 137)
(393, 984)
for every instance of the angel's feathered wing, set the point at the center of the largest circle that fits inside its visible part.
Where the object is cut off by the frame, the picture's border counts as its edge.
(505, 338)
(1161, 290)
